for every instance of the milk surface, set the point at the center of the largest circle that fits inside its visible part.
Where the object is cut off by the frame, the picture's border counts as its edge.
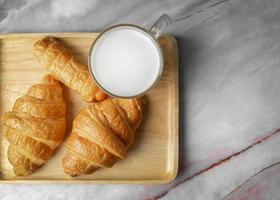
(125, 61)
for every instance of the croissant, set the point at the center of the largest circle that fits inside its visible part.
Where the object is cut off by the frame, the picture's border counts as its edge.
(101, 135)
(35, 126)
(61, 63)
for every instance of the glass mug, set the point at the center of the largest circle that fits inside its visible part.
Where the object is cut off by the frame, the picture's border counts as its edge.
(126, 60)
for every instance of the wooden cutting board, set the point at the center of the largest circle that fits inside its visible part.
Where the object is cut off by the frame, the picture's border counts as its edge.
(154, 156)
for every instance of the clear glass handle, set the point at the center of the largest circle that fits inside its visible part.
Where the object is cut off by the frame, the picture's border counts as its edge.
(160, 25)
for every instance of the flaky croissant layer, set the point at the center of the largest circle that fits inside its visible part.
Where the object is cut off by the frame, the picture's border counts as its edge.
(35, 126)
(101, 135)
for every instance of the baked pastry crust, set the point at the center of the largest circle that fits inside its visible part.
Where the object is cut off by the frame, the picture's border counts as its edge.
(101, 135)
(35, 126)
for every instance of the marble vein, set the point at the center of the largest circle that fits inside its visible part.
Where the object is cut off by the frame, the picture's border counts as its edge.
(221, 162)
(237, 190)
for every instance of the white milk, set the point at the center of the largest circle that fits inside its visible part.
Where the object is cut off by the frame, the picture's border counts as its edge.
(125, 61)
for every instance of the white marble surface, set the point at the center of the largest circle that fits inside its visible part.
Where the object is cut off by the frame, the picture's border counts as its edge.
(229, 87)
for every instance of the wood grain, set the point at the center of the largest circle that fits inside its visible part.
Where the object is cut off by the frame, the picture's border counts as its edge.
(154, 156)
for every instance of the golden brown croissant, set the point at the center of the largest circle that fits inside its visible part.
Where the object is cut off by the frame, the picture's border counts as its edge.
(62, 64)
(35, 126)
(102, 134)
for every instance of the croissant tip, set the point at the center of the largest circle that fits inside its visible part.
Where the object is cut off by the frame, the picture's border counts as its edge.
(100, 96)
(48, 39)
(44, 41)
(48, 78)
